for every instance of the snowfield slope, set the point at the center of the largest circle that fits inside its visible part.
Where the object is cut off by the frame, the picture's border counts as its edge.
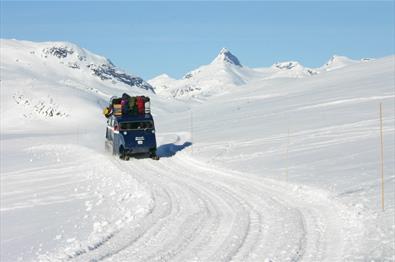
(282, 169)
(40, 77)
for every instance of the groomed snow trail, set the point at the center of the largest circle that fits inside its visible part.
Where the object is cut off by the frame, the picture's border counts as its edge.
(205, 213)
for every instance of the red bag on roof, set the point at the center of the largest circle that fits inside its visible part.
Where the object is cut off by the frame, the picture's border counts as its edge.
(140, 105)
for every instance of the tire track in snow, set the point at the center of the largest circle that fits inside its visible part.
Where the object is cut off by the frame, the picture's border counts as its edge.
(243, 228)
(318, 219)
(253, 236)
(203, 213)
(130, 232)
(172, 245)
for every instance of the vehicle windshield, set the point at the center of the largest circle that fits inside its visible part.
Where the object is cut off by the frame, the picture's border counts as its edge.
(136, 125)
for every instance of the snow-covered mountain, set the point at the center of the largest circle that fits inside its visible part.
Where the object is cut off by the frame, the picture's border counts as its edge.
(163, 83)
(337, 62)
(66, 56)
(226, 57)
(225, 74)
(220, 76)
(57, 79)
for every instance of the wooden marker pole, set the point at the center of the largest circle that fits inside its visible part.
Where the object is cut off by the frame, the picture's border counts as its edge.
(286, 159)
(191, 132)
(382, 156)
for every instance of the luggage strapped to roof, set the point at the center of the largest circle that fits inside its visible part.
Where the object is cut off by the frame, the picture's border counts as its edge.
(127, 105)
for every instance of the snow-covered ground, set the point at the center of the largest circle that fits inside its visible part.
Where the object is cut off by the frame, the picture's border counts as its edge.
(264, 164)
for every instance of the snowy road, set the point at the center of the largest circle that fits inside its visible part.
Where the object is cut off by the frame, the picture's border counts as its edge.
(205, 213)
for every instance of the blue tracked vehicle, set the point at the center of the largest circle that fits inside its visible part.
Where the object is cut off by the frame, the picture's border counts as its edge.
(131, 131)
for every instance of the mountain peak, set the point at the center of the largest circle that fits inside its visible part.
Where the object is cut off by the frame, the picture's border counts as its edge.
(337, 61)
(224, 50)
(336, 58)
(226, 56)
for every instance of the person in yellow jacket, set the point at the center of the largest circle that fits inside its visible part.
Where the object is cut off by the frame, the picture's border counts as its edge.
(107, 112)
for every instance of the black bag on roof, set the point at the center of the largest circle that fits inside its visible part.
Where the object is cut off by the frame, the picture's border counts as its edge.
(116, 101)
(146, 98)
(125, 96)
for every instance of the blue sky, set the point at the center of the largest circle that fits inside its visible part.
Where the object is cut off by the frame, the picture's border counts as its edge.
(150, 38)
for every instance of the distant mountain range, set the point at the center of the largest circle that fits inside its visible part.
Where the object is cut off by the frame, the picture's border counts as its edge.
(225, 73)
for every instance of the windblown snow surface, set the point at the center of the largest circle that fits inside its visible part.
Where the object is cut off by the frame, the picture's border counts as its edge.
(283, 168)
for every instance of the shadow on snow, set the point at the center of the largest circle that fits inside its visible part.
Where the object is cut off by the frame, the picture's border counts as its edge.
(169, 150)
